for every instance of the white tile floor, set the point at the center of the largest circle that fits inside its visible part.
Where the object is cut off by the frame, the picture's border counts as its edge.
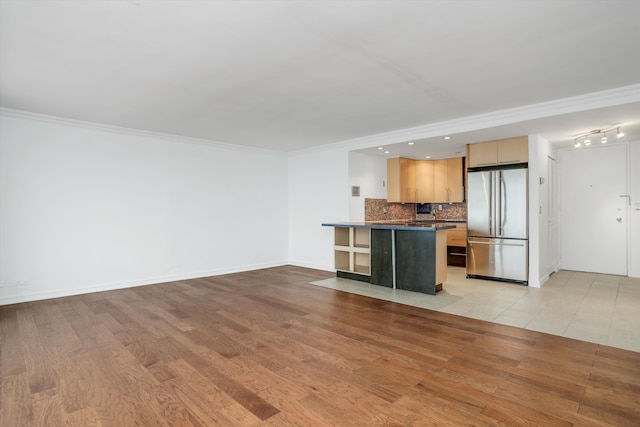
(598, 308)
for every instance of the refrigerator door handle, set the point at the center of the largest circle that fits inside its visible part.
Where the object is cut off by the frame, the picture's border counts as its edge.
(503, 206)
(495, 244)
(491, 204)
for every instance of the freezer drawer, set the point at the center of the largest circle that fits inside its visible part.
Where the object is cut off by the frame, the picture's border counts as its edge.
(503, 259)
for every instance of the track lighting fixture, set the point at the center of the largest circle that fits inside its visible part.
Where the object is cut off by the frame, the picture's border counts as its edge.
(603, 139)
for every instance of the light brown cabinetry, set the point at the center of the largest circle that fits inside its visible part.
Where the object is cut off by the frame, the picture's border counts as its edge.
(458, 235)
(425, 181)
(448, 180)
(457, 245)
(501, 152)
(425, 186)
(401, 180)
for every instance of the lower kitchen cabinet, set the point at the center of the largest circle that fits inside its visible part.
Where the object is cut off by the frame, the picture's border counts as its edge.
(411, 256)
(457, 256)
(381, 258)
(420, 262)
(352, 253)
(457, 245)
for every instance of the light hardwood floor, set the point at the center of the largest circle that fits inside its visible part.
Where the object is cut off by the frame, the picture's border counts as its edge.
(267, 348)
(598, 308)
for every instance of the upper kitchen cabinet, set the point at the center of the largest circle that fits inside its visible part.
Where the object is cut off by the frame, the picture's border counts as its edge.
(501, 152)
(425, 185)
(401, 180)
(448, 180)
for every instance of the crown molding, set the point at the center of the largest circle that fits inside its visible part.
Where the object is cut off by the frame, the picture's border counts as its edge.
(585, 102)
(130, 131)
(602, 99)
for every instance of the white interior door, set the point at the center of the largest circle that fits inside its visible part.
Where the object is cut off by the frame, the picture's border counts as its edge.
(592, 214)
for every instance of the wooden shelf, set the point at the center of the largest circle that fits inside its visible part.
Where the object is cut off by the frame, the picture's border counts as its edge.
(342, 259)
(342, 236)
(353, 250)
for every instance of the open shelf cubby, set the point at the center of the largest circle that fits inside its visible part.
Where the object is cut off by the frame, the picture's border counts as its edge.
(361, 237)
(342, 236)
(361, 263)
(352, 250)
(342, 260)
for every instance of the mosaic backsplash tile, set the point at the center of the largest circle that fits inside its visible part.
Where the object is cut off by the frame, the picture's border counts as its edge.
(380, 210)
(449, 210)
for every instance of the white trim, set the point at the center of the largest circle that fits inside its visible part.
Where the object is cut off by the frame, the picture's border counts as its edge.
(312, 265)
(607, 98)
(130, 131)
(133, 283)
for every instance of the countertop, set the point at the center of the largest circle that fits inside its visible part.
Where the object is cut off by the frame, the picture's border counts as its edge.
(395, 225)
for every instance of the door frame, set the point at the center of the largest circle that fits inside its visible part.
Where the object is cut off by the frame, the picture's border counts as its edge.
(552, 212)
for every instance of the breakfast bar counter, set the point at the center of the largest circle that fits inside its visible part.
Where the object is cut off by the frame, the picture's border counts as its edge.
(400, 254)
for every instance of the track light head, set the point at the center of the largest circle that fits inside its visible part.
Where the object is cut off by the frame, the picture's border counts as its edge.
(578, 142)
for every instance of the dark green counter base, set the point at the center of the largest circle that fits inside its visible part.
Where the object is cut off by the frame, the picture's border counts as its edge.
(353, 276)
(415, 256)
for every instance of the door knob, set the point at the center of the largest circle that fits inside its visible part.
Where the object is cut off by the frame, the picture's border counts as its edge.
(619, 219)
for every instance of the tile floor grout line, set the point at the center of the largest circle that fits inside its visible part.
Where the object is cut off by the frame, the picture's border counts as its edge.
(613, 312)
(573, 317)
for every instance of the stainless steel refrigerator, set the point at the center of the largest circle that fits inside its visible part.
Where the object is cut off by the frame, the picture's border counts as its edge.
(497, 225)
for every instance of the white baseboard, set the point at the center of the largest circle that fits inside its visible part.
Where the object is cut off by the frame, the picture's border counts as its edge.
(59, 293)
(310, 265)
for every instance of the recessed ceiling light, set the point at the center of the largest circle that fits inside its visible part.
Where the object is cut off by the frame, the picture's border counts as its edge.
(446, 137)
(386, 152)
(410, 143)
(380, 148)
(427, 157)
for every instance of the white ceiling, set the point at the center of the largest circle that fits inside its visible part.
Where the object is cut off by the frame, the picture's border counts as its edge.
(291, 75)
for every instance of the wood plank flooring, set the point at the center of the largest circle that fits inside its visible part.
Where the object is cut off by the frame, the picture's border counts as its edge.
(266, 348)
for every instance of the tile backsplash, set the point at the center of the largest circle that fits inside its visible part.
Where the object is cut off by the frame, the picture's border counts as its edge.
(449, 210)
(380, 210)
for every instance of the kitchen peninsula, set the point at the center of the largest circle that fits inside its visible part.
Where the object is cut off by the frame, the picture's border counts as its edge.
(400, 254)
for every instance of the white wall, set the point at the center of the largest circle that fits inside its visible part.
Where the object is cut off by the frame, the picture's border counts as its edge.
(370, 173)
(539, 211)
(634, 213)
(86, 208)
(318, 193)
